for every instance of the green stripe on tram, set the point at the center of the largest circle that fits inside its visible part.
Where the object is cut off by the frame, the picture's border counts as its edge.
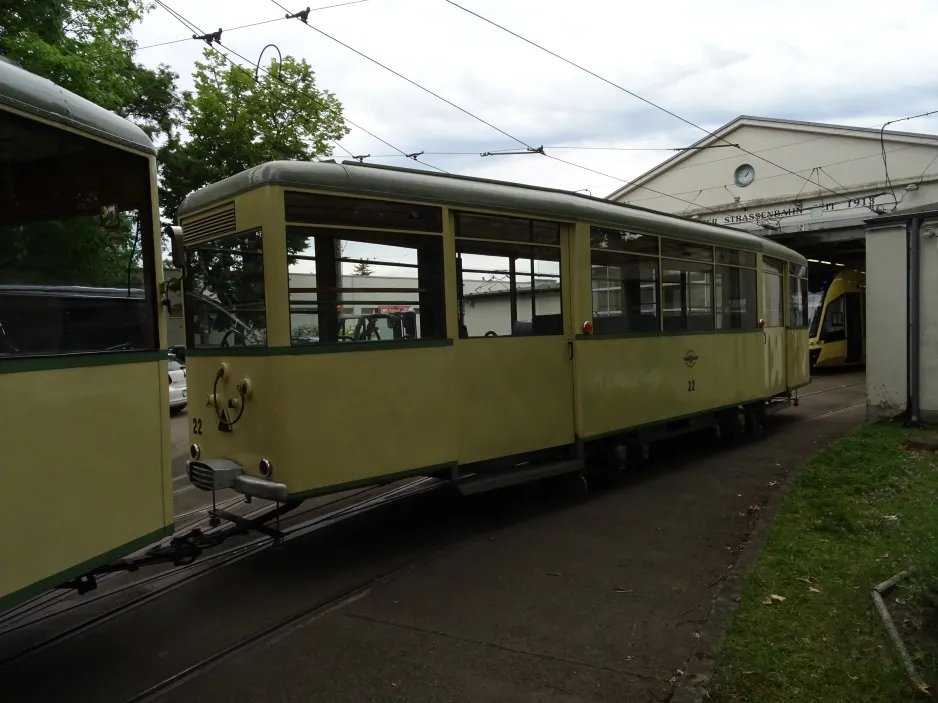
(14, 364)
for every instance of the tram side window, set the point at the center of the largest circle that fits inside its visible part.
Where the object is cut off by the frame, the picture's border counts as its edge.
(76, 245)
(798, 295)
(508, 276)
(624, 281)
(736, 300)
(687, 295)
(772, 291)
(686, 286)
(224, 304)
(625, 293)
(351, 285)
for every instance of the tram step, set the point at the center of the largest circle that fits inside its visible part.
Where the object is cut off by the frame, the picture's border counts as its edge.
(479, 483)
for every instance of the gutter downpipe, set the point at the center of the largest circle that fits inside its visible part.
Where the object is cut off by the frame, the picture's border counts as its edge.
(913, 286)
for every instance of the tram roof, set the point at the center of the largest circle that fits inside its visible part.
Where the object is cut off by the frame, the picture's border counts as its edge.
(353, 178)
(40, 97)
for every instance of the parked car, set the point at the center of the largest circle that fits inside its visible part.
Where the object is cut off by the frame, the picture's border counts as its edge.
(178, 394)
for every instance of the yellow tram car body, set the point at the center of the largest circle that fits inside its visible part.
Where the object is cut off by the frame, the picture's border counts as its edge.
(84, 417)
(837, 307)
(614, 321)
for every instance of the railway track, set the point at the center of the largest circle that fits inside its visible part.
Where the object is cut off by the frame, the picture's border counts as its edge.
(323, 607)
(832, 388)
(10, 618)
(213, 562)
(183, 575)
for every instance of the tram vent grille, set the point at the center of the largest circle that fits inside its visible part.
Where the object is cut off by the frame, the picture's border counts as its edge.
(216, 222)
(202, 477)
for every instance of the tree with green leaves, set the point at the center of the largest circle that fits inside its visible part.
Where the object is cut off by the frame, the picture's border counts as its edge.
(233, 122)
(87, 47)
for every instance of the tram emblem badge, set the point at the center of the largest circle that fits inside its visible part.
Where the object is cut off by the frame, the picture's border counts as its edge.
(690, 358)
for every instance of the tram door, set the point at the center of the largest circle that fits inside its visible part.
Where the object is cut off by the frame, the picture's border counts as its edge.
(514, 352)
(855, 333)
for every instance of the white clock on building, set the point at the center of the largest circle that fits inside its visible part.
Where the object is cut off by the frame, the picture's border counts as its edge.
(744, 175)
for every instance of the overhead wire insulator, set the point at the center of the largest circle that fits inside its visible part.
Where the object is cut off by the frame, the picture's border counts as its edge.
(210, 37)
(302, 15)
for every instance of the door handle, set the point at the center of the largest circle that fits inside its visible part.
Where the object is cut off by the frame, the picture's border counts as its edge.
(570, 348)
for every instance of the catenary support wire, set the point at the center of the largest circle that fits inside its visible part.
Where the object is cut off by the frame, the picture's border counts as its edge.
(629, 92)
(192, 27)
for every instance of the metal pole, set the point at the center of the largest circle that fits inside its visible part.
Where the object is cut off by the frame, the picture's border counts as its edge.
(914, 342)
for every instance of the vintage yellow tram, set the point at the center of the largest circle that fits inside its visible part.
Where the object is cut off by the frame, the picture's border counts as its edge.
(84, 416)
(548, 327)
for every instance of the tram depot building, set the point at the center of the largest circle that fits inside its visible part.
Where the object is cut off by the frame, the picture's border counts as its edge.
(840, 211)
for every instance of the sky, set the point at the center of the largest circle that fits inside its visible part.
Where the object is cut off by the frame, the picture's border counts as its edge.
(845, 62)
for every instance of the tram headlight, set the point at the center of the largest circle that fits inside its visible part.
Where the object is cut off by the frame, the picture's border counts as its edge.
(195, 451)
(265, 467)
(588, 327)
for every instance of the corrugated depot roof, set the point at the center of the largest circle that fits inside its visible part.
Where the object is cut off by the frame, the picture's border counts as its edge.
(462, 191)
(25, 91)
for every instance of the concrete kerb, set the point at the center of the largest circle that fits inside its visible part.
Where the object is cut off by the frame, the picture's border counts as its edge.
(698, 669)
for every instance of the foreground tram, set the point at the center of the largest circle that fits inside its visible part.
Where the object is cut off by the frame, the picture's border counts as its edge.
(837, 310)
(551, 329)
(84, 417)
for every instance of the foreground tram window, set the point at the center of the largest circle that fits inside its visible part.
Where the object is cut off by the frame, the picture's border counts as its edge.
(76, 246)
(508, 276)
(225, 292)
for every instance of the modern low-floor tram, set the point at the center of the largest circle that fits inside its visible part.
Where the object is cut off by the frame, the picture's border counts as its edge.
(550, 328)
(837, 310)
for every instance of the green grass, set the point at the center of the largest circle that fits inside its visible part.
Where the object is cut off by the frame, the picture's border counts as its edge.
(833, 534)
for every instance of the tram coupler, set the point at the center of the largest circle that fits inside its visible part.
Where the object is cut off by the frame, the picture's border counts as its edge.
(244, 525)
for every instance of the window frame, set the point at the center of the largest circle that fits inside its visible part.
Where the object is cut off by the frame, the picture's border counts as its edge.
(430, 243)
(128, 182)
(551, 325)
(187, 290)
(773, 269)
(706, 258)
(605, 258)
(797, 272)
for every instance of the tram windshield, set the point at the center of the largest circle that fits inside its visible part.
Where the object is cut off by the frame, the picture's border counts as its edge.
(77, 264)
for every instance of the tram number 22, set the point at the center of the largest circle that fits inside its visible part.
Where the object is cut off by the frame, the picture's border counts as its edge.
(691, 386)
(196, 426)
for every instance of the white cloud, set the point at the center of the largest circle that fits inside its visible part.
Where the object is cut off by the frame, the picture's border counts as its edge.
(851, 62)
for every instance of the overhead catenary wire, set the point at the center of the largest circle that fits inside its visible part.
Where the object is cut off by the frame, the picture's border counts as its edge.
(882, 146)
(414, 83)
(252, 24)
(528, 147)
(192, 27)
(629, 92)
